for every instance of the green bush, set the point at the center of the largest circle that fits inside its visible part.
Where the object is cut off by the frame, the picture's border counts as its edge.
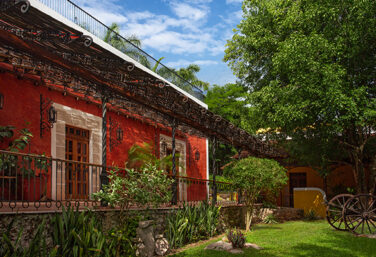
(120, 238)
(236, 238)
(192, 223)
(270, 219)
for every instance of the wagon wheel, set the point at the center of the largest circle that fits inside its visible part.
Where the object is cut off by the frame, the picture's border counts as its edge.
(359, 214)
(334, 211)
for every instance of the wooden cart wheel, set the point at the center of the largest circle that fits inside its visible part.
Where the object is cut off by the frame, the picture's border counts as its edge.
(334, 211)
(359, 214)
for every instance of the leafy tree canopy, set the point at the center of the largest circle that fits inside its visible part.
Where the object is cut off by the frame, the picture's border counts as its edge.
(310, 67)
(253, 175)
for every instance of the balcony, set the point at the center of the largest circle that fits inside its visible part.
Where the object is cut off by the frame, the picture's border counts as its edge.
(35, 183)
(85, 20)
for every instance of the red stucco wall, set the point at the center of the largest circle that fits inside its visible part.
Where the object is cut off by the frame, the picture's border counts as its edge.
(21, 109)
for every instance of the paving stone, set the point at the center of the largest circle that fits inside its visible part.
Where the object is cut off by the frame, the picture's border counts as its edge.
(219, 246)
(255, 246)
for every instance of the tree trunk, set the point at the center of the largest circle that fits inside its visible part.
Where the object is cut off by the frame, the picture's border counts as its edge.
(372, 177)
(358, 167)
(248, 219)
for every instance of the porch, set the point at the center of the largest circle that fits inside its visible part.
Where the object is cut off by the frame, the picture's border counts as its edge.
(35, 183)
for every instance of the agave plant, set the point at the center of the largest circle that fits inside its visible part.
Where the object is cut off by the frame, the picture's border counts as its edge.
(192, 223)
(78, 234)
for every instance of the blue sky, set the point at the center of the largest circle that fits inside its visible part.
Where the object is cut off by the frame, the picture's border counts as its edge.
(184, 31)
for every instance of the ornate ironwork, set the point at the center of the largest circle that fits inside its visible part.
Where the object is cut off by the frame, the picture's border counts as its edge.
(48, 114)
(104, 176)
(147, 101)
(116, 134)
(175, 183)
(7, 4)
(214, 170)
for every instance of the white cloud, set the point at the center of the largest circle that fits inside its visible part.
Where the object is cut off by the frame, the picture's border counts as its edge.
(184, 10)
(183, 33)
(183, 63)
(233, 1)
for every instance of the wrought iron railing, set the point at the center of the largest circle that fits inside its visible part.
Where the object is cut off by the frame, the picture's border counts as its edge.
(38, 183)
(85, 20)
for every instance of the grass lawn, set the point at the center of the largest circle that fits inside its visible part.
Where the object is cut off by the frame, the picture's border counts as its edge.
(298, 238)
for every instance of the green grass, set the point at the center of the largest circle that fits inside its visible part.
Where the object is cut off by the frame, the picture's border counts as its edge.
(299, 238)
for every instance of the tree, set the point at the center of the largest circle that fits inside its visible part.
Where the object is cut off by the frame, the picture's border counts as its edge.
(310, 67)
(189, 74)
(113, 38)
(252, 176)
(229, 102)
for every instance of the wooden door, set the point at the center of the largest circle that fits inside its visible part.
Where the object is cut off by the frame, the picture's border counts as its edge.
(76, 174)
(296, 180)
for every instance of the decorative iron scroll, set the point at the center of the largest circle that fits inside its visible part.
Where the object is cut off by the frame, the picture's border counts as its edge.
(7, 4)
(151, 101)
(46, 35)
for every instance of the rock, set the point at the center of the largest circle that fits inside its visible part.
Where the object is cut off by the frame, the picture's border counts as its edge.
(140, 249)
(224, 239)
(145, 224)
(236, 251)
(219, 246)
(254, 246)
(159, 236)
(161, 246)
(145, 232)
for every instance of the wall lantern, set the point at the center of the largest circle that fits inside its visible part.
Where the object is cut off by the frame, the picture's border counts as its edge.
(197, 155)
(48, 114)
(119, 134)
(164, 147)
(1, 101)
(52, 115)
(116, 134)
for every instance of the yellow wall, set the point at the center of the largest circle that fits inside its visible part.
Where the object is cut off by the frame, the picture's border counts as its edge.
(313, 180)
(310, 199)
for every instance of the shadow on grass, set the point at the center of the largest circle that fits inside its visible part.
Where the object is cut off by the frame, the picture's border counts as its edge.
(342, 244)
(266, 226)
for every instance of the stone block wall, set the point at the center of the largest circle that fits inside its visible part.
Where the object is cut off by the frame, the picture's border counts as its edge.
(230, 217)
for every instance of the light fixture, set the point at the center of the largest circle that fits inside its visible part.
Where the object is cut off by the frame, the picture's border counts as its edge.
(119, 134)
(164, 147)
(52, 115)
(197, 155)
(1, 101)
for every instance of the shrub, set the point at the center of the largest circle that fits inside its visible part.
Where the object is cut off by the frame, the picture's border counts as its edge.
(192, 223)
(236, 238)
(270, 219)
(120, 238)
(311, 215)
(252, 176)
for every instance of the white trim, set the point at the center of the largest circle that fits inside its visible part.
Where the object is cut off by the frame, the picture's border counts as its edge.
(311, 189)
(181, 147)
(70, 116)
(41, 7)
